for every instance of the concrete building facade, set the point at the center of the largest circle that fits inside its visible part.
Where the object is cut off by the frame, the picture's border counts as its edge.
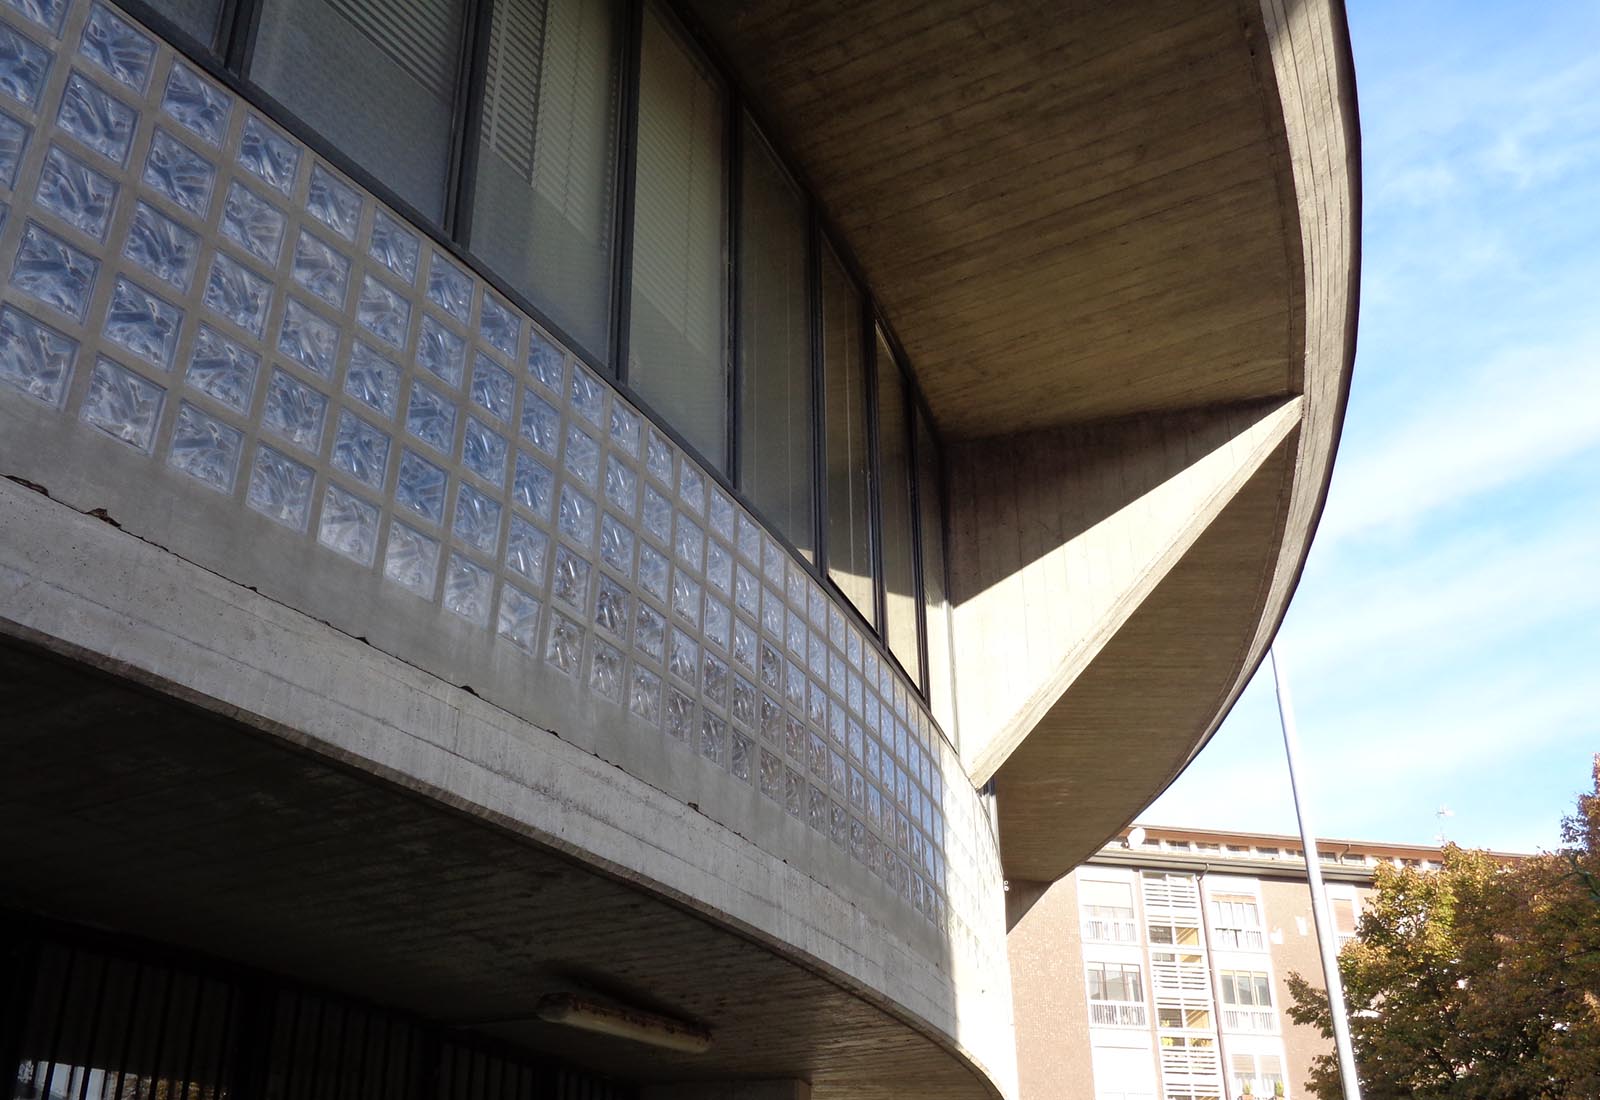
(1157, 969)
(570, 547)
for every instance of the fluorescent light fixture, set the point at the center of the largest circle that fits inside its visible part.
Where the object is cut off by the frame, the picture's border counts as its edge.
(624, 1023)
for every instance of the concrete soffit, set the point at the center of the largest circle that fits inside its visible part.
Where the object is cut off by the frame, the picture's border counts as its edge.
(1118, 505)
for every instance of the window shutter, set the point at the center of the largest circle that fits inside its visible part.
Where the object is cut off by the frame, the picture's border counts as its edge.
(418, 35)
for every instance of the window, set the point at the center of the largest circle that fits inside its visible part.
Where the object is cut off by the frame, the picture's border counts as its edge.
(1236, 922)
(1116, 994)
(849, 461)
(1262, 1072)
(1345, 915)
(378, 78)
(545, 187)
(775, 455)
(676, 345)
(936, 605)
(899, 551)
(1107, 909)
(197, 18)
(1247, 1001)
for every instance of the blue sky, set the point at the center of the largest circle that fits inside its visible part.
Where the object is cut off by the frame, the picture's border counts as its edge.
(1444, 645)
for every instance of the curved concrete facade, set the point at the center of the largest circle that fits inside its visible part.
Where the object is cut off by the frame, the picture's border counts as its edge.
(301, 474)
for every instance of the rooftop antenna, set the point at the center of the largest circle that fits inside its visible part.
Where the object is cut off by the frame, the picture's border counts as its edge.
(1441, 813)
(1327, 940)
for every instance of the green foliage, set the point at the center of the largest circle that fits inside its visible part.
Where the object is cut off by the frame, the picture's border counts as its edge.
(1480, 981)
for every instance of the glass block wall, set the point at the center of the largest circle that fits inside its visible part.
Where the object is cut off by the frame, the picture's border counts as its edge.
(187, 280)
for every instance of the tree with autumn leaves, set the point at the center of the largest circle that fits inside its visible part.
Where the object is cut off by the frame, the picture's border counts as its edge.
(1479, 981)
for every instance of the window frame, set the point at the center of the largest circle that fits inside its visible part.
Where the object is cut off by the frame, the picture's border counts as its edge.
(227, 59)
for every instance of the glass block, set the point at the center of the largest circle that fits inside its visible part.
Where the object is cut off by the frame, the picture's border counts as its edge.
(34, 358)
(333, 202)
(817, 809)
(650, 632)
(772, 611)
(858, 840)
(419, 486)
(692, 488)
(147, 326)
(412, 560)
(658, 457)
(500, 325)
(719, 622)
(683, 657)
(47, 13)
(51, 270)
(123, 405)
(644, 694)
(797, 587)
(24, 64)
(722, 514)
(431, 417)
(360, 450)
(222, 369)
(689, 543)
(795, 633)
(526, 550)
(546, 361)
(853, 647)
(253, 224)
(205, 448)
(238, 294)
(308, 339)
(816, 754)
(582, 455)
(743, 702)
(383, 312)
(519, 618)
(569, 579)
(13, 140)
(268, 155)
(749, 540)
(294, 412)
(836, 673)
(622, 485)
(744, 644)
(565, 646)
(394, 246)
(616, 544)
(449, 287)
(440, 352)
(541, 424)
(575, 516)
(679, 721)
(97, 119)
(321, 270)
(685, 598)
(747, 591)
(588, 396)
(773, 561)
(719, 567)
(771, 776)
(372, 379)
(174, 170)
(819, 607)
(468, 590)
(605, 672)
(118, 47)
(611, 606)
(794, 740)
(493, 388)
(280, 488)
(197, 104)
(838, 824)
(773, 720)
(532, 486)
(162, 247)
(625, 424)
(714, 679)
(653, 571)
(76, 193)
(794, 786)
(713, 738)
(836, 630)
(477, 519)
(484, 452)
(818, 654)
(771, 666)
(657, 516)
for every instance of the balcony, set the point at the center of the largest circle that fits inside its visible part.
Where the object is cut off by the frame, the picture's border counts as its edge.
(1111, 931)
(1260, 1020)
(1118, 1014)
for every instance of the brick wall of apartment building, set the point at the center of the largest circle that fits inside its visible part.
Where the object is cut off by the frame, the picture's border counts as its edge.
(1047, 989)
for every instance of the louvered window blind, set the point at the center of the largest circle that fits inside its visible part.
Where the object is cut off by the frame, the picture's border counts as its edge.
(677, 336)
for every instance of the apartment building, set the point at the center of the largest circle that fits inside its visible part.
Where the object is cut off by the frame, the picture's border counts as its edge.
(569, 548)
(1157, 969)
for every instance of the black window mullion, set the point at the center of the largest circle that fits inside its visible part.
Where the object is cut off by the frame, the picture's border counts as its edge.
(734, 178)
(627, 178)
(472, 80)
(914, 465)
(819, 395)
(236, 34)
(880, 597)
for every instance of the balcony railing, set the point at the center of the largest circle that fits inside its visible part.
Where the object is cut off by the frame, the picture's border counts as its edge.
(1250, 1019)
(1242, 939)
(1117, 1014)
(1112, 931)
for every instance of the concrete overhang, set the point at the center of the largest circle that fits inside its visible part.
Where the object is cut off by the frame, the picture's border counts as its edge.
(1119, 244)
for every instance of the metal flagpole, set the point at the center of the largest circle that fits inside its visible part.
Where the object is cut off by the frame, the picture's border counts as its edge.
(1327, 940)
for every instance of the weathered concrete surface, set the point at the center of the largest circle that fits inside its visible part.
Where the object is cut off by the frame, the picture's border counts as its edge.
(80, 587)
